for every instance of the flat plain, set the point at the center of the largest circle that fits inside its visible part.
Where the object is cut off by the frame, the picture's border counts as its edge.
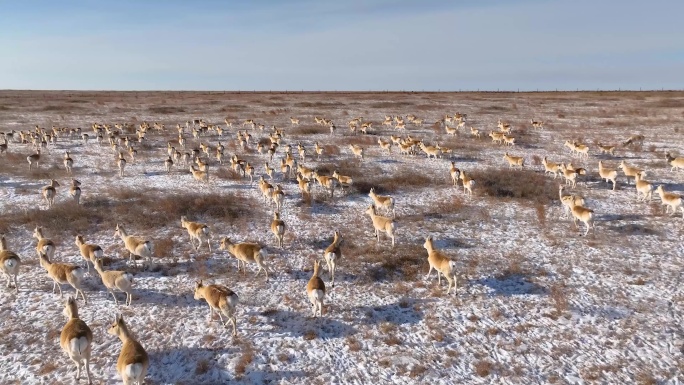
(536, 302)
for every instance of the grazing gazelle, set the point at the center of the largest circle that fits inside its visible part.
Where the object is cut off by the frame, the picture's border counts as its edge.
(381, 224)
(332, 255)
(135, 246)
(315, 290)
(133, 361)
(220, 299)
(246, 252)
(116, 279)
(63, 273)
(9, 263)
(76, 339)
(198, 231)
(278, 228)
(50, 192)
(442, 264)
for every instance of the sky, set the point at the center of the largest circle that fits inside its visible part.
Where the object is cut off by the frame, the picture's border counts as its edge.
(343, 45)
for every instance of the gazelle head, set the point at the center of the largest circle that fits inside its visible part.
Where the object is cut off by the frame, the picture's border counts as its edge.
(198, 286)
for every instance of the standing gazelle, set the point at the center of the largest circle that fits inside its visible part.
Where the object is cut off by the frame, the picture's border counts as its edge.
(136, 246)
(386, 202)
(332, 255)
(75, 191)
(220, 299)
(44, 245)
(50, 192)
(133, 361)
(381, 224)
(315, 290)
(61, 273)
(278, 228)
(76, 339)
(9, 263)
(89, 252)
(116, 279)
(442, 264)
(198, 231)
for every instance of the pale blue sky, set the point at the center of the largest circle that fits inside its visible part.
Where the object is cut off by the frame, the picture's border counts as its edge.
(341, 45)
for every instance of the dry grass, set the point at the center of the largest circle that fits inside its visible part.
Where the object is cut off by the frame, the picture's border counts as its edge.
(139, 211)
(516, 184)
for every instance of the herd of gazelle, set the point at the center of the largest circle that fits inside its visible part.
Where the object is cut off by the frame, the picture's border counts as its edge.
(76, 337)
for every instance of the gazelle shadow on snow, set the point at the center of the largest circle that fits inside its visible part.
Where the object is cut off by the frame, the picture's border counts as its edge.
(402, 312)
(508, 285)
(300, 324)
(189, 364)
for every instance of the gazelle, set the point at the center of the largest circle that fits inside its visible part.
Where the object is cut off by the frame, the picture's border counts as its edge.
(440, 262)
(136, 246)
(315, 290)
(496, 136)
(68, 161)
(318, 150)
(386, 202)
(9, 263)
(569, 201)
(294, 121)
(584, 215)
(33, 159)
(304, 185)
(570, 174)
(121, 163)
(344, 181)
(61, 273)
(387, 146)
(454, 172)
(116, 279)
(89, 252)
(551, 167)
(133, 361)
(468, 183)
(643, 187)
(581, 149)
(381, 224)
(49, 192)
(430, 151)
(606, 149)
(332, 255)
(76, 339)
(200, 176)
(246, 253)
(278, 228)
(45, 245)
(514, 160)
(537, 124)
(326, 182)
(220, 299)
(75, 191)
(451, 130)
(475, 132)
(168, 163)
(676, 163)
(671, 200)
(508, 140)
(630, 172)
(609, 175)
(357, 151)
(198, 231)
(278, 196)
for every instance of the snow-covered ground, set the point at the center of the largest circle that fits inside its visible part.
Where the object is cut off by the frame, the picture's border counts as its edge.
(536, 303)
